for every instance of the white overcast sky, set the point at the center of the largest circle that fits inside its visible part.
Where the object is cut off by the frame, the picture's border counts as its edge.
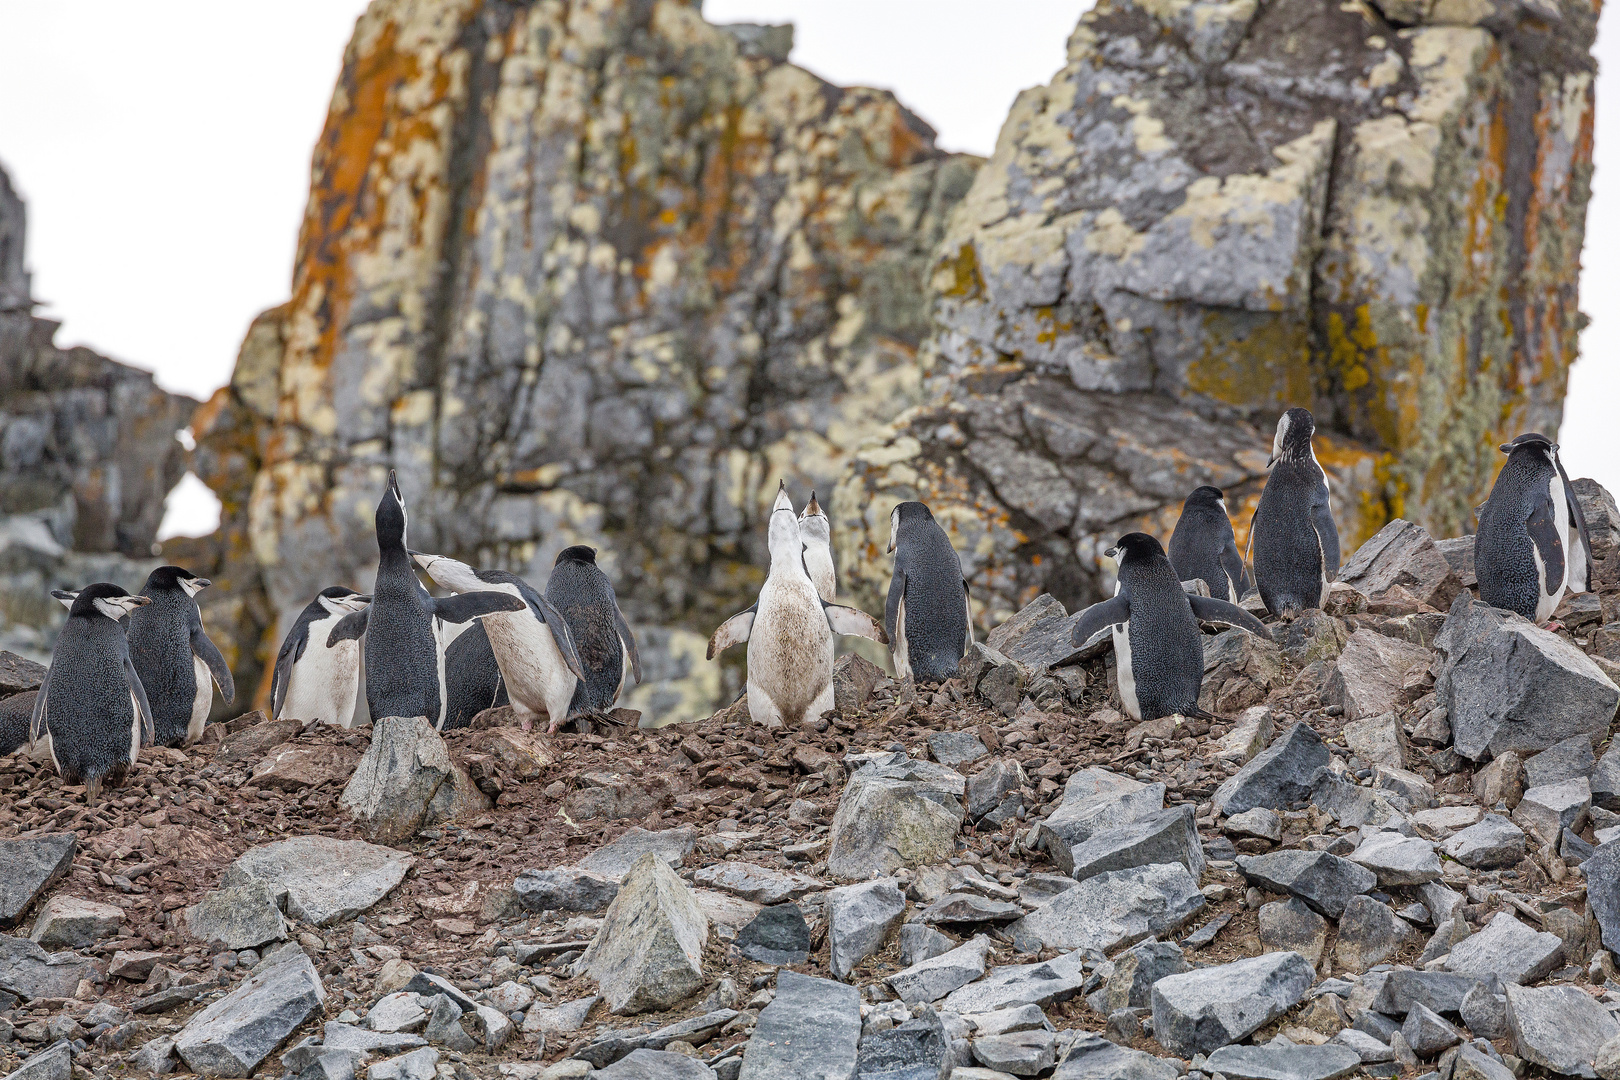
(164, 154)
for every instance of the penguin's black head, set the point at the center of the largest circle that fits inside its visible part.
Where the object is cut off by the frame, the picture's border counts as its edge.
(1205, 496)
(904, 514)
(338, 599)
(1293, 441)
(391, 516)
(175, 578)
(105, 598)
(1133, 546)
(579, 553)
(1530, 439)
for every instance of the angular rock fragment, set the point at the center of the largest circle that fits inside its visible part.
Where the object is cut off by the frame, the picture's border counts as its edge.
(1291, 926)
(241, 917)
(28, 867)
(1493, 842)
(1112, 909)
(1369, 933)
(406, 781)
(1402, 556)
(564, 889)
(917, 1047)
(1015, 985)
(71, 922)
(1135, 972)
(1562, 761)
(1559, 1027)
(53, 1063)
(1372, 673)
(777, 935)
(30, 972)
(1167, 836)
(1602, 872)
(758, 884)
(931, 979)
(655, 1065)
(1442, 991)
(991, 787)
(860, 919)
(1279, 776)
(648, 955)
(1093, 1057)
(954, 749)
(1203, 1010)
(1547, 811)
(322, 880)
(1259, 822)
(1277, 1062)
(971, 908)
(1376, 740)
(811, 1028)
(892, 814)
(1021, 1053)
(421, 1064)
(1095, 800)
(235, 1034)
(1325, 882)
(615, 860)
(1507, 949)
(1398, 859)
(1427, 1033)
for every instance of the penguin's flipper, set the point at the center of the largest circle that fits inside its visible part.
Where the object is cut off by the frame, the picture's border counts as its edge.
(1327, 532)
(1580, 545)
(349, 628)
(1232, 563)
(733, 631)
(65, 596)
(138, 692)
(36, 723)
(891, 606)
(628, 640)
(853, 622)
(292, 651)
(1543, 528)
(967, 602)
(205, 650)
(470, 605)
(1209, 609)
(547, 613)
(1099, 617)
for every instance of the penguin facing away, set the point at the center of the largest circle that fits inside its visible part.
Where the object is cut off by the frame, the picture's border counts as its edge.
(1204, 546)
(403, 627)
(927, 617)
(789, 632)
(1158, 646)
(1293, 540)
(16, 715)
(583, 594)
(92, 710)
(313, 681)
(531, 641)
(177, 662)
(816, 532)
(1532, 544)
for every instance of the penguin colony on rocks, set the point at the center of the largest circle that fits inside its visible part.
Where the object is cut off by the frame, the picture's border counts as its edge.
(569, 652)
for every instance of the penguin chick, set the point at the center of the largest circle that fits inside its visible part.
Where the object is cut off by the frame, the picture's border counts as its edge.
(583, 594)
(789, 632)
(404, 627)
(532, 644)
(92, 709)
(1292, 537)
(1532, 544)
(1204, 546)
(816, 532)
(1158, 646)
(177, 662)
(319, 683)
(927, 616)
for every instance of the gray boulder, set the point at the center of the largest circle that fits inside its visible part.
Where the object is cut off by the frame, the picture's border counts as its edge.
(1135, 971)
(1352, 805)
(811, 1028)
(914, 1049)
(1370, 677)
(614, 861)
(235, 1034)
(1168, 836)
(933, 978)
(1093, 1057)
(1471, 1064)
(655, 1065)
(1278, 776)
(1325, 882)
(1507, 684)
(919, 943)
(1602, 872)
(1021, 1053)
(1492, 842)
(322, 880)
(991, 788)
(1562, 761)
(1369, 933)
(1398, 859)
(30, 972)
(28, 867)
(1111, 909)
(1427, 1032)
(777, 935)
(955, 748)
(1402, 556)
(1291, 926)
(1014, 985)
(1095, 800)
(1442, 991)
(1606, 779)
(72, 922)
(1485, 1012)
(1507, 949)
(1559, 1027)
(420, 1064)
(1203, 1010)
(893, 813)
(564, 889)
(1547, 811)
(406, 781)
(53, 1063)
(240, 917)
(648, 955)
(1278, 1062)
(860, 918)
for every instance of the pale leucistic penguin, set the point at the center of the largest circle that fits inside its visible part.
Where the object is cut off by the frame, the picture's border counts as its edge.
(1158, 646)
(177, 662)
(789, 632)
(1293, 540)
(532, 644)
(1204, 546)
(927, 618)
(92, 711)
(404, 628)
(1532, 544)
(314, 681)
(816, 532)
(607, 649)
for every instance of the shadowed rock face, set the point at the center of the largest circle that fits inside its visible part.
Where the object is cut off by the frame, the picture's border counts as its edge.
(598, 274)
(1219, 210)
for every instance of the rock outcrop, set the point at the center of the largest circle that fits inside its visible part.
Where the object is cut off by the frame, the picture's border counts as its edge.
(1219, 210)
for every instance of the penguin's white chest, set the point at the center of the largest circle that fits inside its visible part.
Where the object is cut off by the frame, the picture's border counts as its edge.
(202, 702)
(536, 676)
(324, 683)
(790, 649)
(1552, 589)
(1124, 671)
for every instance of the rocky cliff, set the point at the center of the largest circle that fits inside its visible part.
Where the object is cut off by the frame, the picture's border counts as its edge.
(1218, 210)
(87, 455)
(595, 273)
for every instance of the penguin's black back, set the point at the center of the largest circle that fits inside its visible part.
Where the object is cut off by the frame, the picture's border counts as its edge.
(1503, 550)
(88, 708)
(1287, 549)
(472, 678)
(1201, 535)
(160, 646)
(585, 596)
(1167, 648)
(402, 653)
(16, 713)
(936, 603)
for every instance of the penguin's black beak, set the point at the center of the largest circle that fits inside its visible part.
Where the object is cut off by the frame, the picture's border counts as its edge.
(393, 484)
(140, 601)
(361, 598)
(201, 582)
(1506, 448)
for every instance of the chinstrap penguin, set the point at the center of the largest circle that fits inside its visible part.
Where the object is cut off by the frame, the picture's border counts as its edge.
(16, 713)
(177, 662)
(1293, 540)
(1532, 544)
(583, 594)
(472, 678)
(404, 627)
(531, 640)
(313, 681)
(926, 616)
(1158, 646)
(1203, 546)
(789, 632)
(92, 708)
(816, 532)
